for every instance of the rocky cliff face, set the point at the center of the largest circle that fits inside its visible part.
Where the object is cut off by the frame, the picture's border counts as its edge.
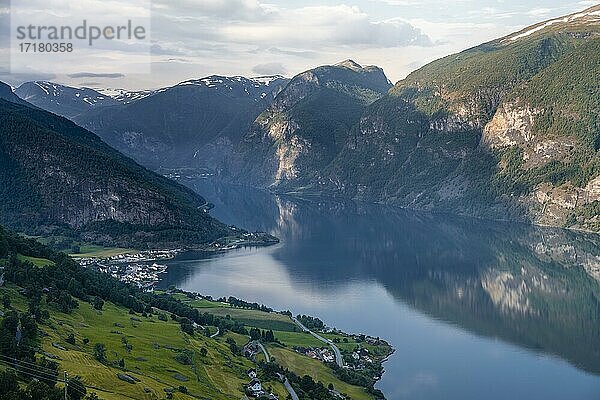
(306, 125)
(508, 129)
(56, 175)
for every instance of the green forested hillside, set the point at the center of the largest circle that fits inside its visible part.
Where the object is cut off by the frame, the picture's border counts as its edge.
(57, 176)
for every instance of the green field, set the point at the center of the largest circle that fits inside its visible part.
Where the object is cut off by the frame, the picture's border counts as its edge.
(198, 303)
(38, 262)
(154, 345)
(298, 339)
(88, 251)
(302, 365)
(256, 318)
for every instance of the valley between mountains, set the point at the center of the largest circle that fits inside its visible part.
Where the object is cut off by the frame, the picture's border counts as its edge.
(505, 130)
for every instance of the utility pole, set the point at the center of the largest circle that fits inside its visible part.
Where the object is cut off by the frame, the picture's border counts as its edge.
(66, 384)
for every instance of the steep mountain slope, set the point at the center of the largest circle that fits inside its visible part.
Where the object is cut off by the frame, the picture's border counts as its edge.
(6, 93)
(307, 125)
(508, 129)
(55, 175)
(192, 124)
(62, 100)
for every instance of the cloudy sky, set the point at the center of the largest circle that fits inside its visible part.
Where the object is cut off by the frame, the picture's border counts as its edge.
(195, 38)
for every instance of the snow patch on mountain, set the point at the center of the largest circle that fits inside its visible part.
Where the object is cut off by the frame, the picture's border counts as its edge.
(125, 96)
(591, 15)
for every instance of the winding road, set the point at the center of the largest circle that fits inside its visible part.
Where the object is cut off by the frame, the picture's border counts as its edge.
(267, 357)
(290, 389)
(338, 354)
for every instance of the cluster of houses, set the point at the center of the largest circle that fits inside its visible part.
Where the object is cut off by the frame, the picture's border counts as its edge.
(361, 356)
(142, 256)
(254, 387)
(323, 353)
(139, 269)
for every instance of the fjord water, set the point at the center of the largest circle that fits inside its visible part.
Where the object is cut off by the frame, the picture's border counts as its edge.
(475, 309)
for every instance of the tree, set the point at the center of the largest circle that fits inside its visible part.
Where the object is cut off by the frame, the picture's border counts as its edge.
(98, 303)
(76, 389)
(233, 346)
(6, 301)
(269, 336)
(187, 326)
(70, 339)
(255, 334)
(8, 382)
(203, 352)
(100, 352)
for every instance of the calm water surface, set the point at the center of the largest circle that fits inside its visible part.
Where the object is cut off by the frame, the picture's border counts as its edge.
(475, 309)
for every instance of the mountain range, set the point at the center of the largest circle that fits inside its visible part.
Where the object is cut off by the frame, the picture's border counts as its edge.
(57, 178)
(192, 124)
(507, 129)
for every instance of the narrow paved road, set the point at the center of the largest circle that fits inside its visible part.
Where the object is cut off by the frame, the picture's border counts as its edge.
(267, 358)
(338, 354)
(290, 389)
(214, 335)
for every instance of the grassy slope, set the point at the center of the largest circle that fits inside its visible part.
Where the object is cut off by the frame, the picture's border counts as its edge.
(290, 337)
(303, 365)
(218, 376)
(38, 262)
(256, 318)
(155, 344)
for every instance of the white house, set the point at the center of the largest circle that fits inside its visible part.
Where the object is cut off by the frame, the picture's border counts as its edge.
(255, 387)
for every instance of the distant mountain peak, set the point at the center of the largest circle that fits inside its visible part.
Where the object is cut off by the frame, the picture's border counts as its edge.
(125, 96)
(61, 99)
(268, 79)
(7, 92)
(214, 81)
(351, 64)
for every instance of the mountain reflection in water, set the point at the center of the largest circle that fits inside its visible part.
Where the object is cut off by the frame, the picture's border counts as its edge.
(538, 289)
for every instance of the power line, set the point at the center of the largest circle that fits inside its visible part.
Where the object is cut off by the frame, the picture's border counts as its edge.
(8, 358)
(31, 372)
(46, 375)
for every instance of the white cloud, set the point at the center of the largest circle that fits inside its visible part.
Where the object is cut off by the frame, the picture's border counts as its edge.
(329, 26)
(270, 69)
(192, 38)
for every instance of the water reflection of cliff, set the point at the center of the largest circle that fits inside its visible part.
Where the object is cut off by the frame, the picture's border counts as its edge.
(539, 288)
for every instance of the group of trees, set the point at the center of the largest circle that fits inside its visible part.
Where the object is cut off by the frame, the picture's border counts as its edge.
(312, 323)
(35, 389)
(265, 336)
(18, 340)
(244, 304)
